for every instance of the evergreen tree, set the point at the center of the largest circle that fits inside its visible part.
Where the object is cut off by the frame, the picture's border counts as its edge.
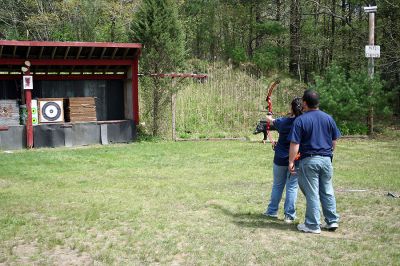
(158, 28)
(344, 95)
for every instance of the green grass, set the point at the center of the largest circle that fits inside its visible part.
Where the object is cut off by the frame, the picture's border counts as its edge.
(188, 203)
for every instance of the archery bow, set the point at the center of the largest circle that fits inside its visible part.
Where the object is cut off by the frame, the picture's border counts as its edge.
(269, 108)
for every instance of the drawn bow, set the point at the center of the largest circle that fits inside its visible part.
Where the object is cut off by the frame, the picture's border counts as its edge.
(270, 112)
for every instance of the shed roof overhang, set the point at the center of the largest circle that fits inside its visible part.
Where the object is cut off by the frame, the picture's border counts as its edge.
(67, 60)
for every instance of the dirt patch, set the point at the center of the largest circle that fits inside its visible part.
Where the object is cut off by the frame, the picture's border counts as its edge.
(4, 183)
(179, 259)
(65, 256)
(24, 252)
(27, 254)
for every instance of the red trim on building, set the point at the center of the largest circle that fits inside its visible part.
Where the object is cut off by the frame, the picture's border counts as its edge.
(68, 62)
(67, 77)
(70, 44)
(135, 90)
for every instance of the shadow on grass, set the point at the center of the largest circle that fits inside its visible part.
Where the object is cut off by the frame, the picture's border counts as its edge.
(254, 220)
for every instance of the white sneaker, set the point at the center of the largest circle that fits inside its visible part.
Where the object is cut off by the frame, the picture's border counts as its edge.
(330, 227)
(288, 219)
(304, 228)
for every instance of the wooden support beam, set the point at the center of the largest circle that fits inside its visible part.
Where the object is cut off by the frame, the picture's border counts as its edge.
(53, 53)
(27, 52)
(91, 53)
(79, 53)
(114, 52)
(103, 52)
(66, 52)
(41, 52)
(135, 91)
(125, 53)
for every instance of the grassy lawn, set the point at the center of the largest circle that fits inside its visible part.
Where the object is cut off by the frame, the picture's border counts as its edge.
(189, 203)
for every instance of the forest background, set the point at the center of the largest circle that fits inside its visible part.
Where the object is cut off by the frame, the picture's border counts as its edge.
(242, 46)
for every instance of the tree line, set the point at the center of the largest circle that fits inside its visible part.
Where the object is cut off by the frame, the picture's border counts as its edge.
(312, 41)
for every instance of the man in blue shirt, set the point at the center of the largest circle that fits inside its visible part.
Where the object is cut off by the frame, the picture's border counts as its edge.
(314, 134)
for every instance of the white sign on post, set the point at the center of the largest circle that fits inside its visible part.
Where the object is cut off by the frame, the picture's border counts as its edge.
(373, 51)
(28, 82)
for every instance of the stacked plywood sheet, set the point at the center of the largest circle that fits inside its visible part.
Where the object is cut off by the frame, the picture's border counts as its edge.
(81, 109)
(9, 113)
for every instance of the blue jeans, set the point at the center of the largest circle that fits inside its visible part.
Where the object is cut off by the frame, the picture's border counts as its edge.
(315, 181)
(282, 177)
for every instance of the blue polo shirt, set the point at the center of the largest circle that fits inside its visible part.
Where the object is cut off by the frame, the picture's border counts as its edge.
(283, 126)
(314, 131)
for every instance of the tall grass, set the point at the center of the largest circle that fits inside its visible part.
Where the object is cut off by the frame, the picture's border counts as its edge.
(229, 103)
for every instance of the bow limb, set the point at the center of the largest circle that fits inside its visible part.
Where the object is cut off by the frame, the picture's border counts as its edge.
(269, 107)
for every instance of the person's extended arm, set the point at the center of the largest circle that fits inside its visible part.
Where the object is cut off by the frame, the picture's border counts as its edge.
(294, 149)
(270, 119)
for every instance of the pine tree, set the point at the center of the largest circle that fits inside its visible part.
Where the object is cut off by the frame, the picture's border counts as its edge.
(158, 28)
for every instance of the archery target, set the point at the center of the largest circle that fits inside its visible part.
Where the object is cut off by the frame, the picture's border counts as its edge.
(35, 115)
(51, 111)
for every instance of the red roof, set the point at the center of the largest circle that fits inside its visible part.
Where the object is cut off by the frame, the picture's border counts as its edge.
(68, 57)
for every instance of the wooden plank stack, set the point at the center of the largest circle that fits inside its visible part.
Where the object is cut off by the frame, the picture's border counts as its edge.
(81, 109)
(9, 113)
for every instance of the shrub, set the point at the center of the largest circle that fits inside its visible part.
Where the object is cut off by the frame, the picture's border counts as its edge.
(349, 97)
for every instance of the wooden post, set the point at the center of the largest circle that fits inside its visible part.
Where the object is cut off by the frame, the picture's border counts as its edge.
(29, 127)
(135, 90)
(173, 109)
(371, 69)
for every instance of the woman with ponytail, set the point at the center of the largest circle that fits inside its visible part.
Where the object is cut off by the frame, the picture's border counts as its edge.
(282, 176)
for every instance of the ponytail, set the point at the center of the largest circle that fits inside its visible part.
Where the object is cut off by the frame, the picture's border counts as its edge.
(297, 106)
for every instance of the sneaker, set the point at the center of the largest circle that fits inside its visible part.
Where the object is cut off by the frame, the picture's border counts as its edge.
(273, 216)
(304, 228)
(288, 219)
(330, 227)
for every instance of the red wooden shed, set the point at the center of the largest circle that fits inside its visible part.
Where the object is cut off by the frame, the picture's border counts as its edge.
(105, 71)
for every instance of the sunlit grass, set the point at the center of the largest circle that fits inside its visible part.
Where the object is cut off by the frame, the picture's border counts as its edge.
(188, 203)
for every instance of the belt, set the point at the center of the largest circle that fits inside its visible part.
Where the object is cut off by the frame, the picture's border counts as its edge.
(313, 155)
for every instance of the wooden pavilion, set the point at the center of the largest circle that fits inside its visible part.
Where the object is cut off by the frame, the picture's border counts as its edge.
(107, 72)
